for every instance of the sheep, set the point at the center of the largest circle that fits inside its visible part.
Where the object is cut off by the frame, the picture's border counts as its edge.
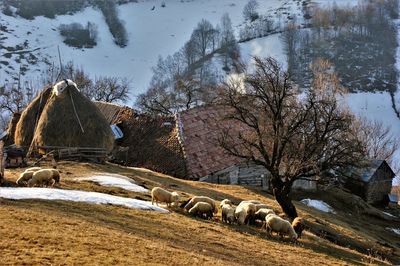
(261, 206)
(44, 177)
(24, 178)
(33, 169)
(26, 175)
(225, 201)
(251, 201)
(274, 223)
(228, 213)
(161, 195)
(202, 208)
(298, 226)
(262, 213)
(244, 213)
(197, 199)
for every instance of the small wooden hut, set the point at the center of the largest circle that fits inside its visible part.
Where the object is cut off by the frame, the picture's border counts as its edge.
(373, 183)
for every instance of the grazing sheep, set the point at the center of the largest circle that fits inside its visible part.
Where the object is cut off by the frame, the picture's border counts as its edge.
(298, 226)
(202, 209)
(33, 169)
(228, 213)
(44, 177)
(274, 223)
(24, 178)
(197, 199)
(26, 175)
(244, 213)
(262, 213)
(225, 201)
(251, 201)
(161, 195)
(262, 206)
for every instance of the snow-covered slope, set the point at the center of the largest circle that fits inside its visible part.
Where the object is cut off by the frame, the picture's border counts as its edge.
(151, 33)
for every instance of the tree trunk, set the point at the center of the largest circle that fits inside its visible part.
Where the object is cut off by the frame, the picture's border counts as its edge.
(281, 192)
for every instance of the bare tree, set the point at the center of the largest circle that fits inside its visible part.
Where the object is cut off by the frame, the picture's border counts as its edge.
(228, 41)
(292, 137)
(203, 36)
(250, 10)
(110, 89)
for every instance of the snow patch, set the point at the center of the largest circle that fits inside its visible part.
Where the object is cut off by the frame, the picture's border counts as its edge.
(389, 214)
(318, 204)
(394, 230)
(115, 181)
(76, 196)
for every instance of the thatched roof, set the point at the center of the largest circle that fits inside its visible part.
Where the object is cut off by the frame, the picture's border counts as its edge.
(67, 120)
(114, 113)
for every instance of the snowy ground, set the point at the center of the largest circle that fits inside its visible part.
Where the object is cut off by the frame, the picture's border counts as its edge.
(77, 196)
(162, 31)
(394, 230)
(115, 181)
(318, 204)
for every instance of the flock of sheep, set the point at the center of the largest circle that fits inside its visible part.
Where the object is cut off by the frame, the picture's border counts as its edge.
(247, 212)
(36, 176)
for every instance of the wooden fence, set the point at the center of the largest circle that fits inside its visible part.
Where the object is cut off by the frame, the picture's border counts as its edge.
(75, 153)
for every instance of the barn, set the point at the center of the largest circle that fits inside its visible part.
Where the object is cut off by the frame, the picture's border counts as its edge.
(373, 183)
(150, 142)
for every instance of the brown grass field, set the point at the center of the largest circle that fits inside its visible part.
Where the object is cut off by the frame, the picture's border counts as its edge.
(38, 232)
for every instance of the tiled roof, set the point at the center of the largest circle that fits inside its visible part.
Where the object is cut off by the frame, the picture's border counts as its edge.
(199, 131)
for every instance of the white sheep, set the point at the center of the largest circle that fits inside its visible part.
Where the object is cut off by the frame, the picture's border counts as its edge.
(228, 213)
(262, 206)
(274, 223)
(197, 199)
(202, 209)
(161, 195)
(225, 201)
(244, 212)
(44, 177)
(26, 175)
(251, 201)
(262, 213)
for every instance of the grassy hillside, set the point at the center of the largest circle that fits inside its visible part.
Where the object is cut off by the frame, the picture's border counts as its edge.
(57, 232)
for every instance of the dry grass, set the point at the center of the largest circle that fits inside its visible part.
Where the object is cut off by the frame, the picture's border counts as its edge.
(67, 233)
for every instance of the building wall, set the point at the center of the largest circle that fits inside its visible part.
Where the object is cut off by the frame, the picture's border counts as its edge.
(379, 185)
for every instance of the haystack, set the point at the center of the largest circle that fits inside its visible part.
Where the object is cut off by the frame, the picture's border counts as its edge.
(26, 125)
(11, 129)
(68, 119)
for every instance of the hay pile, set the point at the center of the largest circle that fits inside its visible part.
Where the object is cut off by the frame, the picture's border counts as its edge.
(58, 124)
(26, 125)
(11, 129)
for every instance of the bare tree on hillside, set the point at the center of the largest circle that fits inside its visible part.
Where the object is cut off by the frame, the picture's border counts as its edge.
(292, 137)
(203, 36)
(250, 10)
(111, 89)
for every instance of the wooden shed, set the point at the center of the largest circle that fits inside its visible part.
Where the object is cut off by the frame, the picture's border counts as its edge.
(373, 183)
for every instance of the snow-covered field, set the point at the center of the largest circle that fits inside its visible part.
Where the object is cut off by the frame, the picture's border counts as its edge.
(77, 196)
(115, 181)
(318, 204)
(161, 31)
